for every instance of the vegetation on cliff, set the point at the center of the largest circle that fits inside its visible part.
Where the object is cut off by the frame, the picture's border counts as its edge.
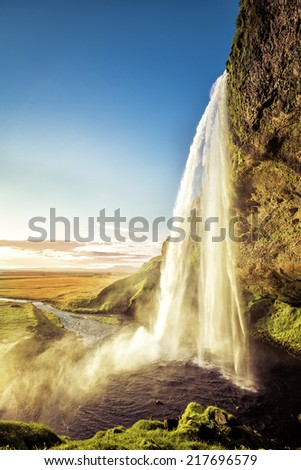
(277, 322)
(264, 107)
(128, 296)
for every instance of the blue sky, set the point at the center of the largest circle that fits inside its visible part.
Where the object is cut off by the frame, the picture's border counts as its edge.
(100, 100)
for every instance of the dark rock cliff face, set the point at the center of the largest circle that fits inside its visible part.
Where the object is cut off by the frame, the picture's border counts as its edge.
(264, 107)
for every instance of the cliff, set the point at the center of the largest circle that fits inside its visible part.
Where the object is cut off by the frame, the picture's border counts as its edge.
(264, 108)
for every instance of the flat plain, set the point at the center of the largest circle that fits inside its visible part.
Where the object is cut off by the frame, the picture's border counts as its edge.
(61, 289)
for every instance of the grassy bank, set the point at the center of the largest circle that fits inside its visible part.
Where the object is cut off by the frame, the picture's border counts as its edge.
(278, 323)
(198, 428)
(21, 320)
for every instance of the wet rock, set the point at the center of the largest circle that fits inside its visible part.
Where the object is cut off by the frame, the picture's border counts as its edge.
(171, 424)
(264, 107)
(159, 403)
(220, 418)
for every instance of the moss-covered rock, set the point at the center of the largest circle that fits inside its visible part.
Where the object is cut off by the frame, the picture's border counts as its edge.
(277, 322)
(215, 425)
(198, 428)
(147, 425)
(22, 436)
(264, 107)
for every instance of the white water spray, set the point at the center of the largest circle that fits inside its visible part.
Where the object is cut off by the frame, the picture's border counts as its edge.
(199, 313)
(199, 316)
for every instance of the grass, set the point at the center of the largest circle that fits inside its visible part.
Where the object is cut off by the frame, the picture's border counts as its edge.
(32, 345)
(22, 436)
(61, 289)
(25, 332)
(282, 326)
(127, 296)
(20, 321)
(199, 428)
(15, 321)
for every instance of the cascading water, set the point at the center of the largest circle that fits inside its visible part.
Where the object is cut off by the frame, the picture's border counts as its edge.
(199, 313)
(199, 317)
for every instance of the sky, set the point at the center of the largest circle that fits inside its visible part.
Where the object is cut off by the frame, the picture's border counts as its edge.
(100, 100)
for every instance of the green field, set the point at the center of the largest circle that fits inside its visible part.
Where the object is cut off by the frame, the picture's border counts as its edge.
(35, 349)
(60, 289)
(26, 331)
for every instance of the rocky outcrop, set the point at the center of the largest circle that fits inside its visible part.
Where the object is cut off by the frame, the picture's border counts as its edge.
(264, 107)
(276, 322)
(134, 295)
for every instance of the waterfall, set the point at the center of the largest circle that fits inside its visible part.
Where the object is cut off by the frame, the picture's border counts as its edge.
(199, 316)
(199, 313)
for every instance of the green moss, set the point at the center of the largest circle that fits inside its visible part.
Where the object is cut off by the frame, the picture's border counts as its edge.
(127, 295)
(258, 89)
(16, 320)
(265, 149)
(199, 428)
(281, 325)
(16, 435)
(215, 425)
(140, 288)
(147, 425)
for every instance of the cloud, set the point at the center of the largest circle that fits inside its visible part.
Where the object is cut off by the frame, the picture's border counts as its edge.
(74, 256)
